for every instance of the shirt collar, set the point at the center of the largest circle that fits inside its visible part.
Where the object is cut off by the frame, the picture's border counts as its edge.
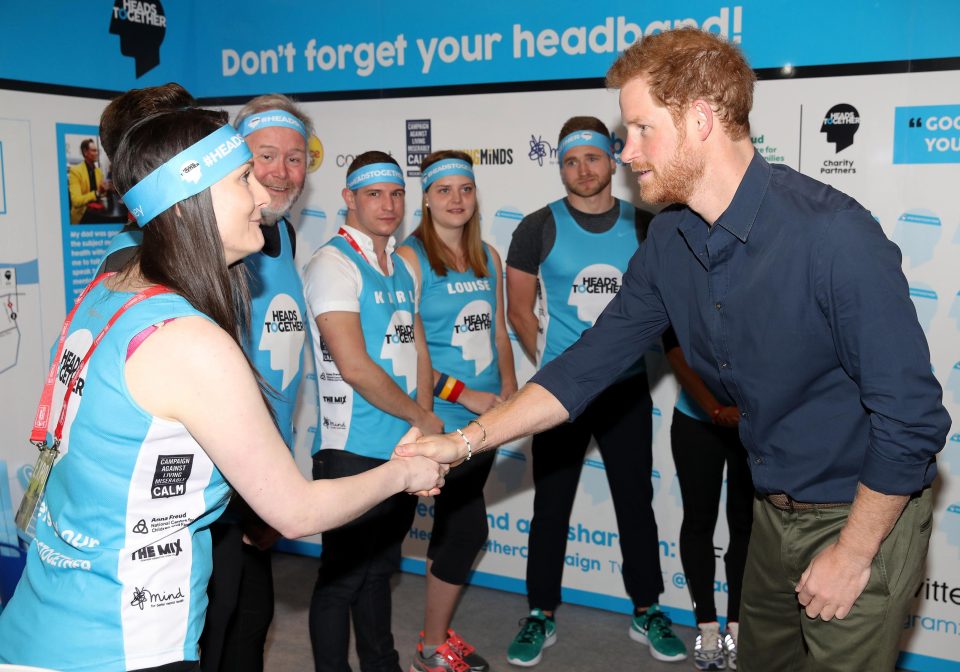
(366, 242)
(740, 215)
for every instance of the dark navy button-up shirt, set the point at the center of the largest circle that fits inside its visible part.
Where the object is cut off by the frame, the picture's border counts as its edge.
(794, 308)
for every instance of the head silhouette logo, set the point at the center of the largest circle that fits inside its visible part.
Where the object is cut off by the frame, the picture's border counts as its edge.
(471, 333)
(593, 289)
(505, 220)
(924, 299)
(282, 336)
(917, 232)
(400, 349)
(840, 124)
(950, 524)
(141, 26)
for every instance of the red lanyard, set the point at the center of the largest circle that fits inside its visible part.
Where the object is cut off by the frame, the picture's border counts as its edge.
(353, 243)
(39, 434)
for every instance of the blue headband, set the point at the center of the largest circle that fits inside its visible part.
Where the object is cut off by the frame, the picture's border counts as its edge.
(578, 138)
(375, 173)
(269, 118)
(196, 168)
(443, 168)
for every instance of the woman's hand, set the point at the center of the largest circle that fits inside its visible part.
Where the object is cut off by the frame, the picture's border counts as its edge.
(422, 476)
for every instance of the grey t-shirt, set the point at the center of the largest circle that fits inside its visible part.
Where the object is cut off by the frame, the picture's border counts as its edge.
(535, 235)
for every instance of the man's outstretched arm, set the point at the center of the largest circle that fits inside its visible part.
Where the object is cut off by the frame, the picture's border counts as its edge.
(532, 409)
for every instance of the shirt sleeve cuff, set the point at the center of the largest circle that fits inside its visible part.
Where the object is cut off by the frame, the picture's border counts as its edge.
(896, 478)
(566, 390)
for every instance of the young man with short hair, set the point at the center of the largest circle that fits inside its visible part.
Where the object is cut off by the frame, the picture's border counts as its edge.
(375, 381)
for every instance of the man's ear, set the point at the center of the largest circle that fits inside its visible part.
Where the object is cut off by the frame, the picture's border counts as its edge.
(350, 198)
(703, 117)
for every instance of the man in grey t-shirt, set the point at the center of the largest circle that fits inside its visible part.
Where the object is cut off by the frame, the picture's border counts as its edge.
(565, 263)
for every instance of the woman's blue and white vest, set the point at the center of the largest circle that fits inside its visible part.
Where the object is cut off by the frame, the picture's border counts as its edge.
(117, 576)
(459, 318)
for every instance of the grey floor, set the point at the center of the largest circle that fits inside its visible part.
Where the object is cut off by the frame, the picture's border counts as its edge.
(588, 639)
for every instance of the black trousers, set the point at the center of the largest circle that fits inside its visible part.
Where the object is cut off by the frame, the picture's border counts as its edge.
(460, 520)
(241, 603)
(353, 581)
(700, 452)
(620, 419)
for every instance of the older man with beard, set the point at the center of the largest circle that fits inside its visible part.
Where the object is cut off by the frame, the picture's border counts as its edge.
(241, 588)
(572, 255)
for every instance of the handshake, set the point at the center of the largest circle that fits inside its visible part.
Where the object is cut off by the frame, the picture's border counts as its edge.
(429, 458)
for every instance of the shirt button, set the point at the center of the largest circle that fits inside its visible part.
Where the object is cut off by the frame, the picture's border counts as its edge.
(743, 414)
(723, 365)
(718, 305)
(758, 460)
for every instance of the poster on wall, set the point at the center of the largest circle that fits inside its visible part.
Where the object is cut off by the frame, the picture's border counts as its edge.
(91, 212)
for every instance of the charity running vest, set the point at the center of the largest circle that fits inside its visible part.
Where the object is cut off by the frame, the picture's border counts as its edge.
(277, 310)
(275, 340)
(117, 576)
(580, 276)
(458, 311)
(347, 420)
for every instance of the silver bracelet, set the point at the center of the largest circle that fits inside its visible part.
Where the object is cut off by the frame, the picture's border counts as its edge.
(479, 424)
(466, 441)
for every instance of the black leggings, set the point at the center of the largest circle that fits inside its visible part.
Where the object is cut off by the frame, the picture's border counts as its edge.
(460, 520)
(700, 451)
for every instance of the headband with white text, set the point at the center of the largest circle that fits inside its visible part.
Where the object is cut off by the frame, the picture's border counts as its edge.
(375, 173)
(196, 168)
(269, 118)
(443, 168)
(578, 138)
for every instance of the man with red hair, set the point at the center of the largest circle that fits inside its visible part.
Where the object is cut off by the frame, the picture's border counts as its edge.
(790, 304)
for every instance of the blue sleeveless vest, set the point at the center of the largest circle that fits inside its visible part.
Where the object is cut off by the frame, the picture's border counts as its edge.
(347, 420)
(580, 276)
(275, 341)
(459, 318)
(117, 576)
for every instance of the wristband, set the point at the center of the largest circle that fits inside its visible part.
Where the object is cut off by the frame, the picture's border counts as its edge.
(466, 441)
(441, 382)
(458, 387)
(448, 388)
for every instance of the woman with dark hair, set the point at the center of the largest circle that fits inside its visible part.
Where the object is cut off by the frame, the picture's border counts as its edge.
(461, 306)
(163, 416)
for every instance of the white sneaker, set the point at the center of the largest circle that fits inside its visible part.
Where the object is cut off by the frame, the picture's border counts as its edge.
(730, 644)
(708, 652)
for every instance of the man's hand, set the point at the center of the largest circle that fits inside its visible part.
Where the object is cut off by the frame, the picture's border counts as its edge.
(833, 582)
(411, 436)
(443, 448)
